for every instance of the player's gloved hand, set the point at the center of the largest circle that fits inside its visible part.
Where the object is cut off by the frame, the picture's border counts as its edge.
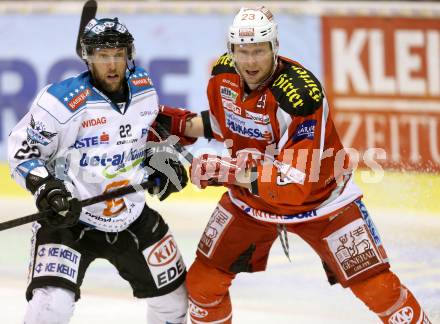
(174, 120)
(51, 194)
(168, 174)
(213, 170)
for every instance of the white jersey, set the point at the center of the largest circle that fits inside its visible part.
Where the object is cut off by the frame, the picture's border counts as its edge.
(81, 137)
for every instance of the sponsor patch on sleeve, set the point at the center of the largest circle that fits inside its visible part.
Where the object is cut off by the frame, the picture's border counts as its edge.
(164, 261)
(37, 133)
(57, 260)
(142, 81)
(78, 99)
(305, 130)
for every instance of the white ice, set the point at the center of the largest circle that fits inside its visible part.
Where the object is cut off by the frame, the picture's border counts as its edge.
(295, 292)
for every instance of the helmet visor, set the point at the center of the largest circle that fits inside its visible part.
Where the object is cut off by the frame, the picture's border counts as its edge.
(108, 55)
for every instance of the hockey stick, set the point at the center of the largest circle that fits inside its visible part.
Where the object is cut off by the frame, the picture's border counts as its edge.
(86, 202)
(163, 133)
(106, 196)
(88, 13)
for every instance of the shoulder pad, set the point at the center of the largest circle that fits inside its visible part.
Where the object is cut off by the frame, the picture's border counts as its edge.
(72, 93)
(139, 81)
(297, 91)
(223, 65)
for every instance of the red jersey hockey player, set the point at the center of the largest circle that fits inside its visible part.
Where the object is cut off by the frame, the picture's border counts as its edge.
(288, 171)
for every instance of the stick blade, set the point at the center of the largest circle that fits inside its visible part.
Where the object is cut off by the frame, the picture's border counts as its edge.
(88, 13)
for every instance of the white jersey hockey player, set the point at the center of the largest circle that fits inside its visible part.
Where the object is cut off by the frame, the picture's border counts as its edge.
(83, 137)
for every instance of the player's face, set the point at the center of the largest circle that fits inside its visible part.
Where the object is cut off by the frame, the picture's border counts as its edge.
(108, 67)
(254, 62)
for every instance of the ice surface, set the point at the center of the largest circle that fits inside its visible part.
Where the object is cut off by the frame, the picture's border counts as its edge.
(294, 292)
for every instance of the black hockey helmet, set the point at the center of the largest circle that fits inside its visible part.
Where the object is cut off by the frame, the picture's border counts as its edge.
(106, 33)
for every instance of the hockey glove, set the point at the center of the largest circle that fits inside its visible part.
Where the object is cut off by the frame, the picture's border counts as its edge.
(174, 121)
(51, 194)
(167, 172)
(213, 170)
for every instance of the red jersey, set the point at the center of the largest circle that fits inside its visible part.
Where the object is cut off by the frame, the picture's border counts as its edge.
(303, 170)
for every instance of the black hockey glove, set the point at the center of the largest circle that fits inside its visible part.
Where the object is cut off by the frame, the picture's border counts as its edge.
(51, 194)
(166, 171)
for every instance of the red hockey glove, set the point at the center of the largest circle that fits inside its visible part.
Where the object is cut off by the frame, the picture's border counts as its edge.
(213, 170)
(174, 121)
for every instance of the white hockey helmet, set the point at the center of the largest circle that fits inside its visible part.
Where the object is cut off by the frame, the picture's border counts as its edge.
(253, 26)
